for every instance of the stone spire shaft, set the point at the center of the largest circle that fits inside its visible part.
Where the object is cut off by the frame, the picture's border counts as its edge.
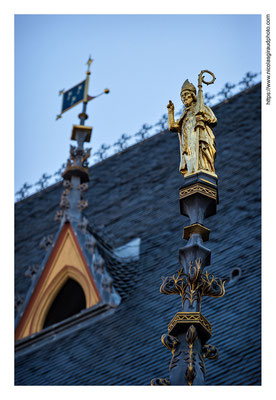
(76, 174)
(189, 330)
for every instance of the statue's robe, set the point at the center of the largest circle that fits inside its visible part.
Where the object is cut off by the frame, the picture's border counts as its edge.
(187, 138)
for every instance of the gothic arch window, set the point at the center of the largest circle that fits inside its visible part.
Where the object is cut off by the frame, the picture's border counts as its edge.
(70, 300)
(64, 287)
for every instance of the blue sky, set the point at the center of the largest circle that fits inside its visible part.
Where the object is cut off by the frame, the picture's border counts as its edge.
(142, 59)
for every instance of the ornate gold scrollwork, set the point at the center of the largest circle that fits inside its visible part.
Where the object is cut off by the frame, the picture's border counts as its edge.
(67, 184)
(73, 154)
(58, 216)
(83, 187)
(210, 352)
(78, 156)
(202, 364)
(191, 337)
(211, 286)
(201, 77)
(83, 204)
(190, 317)
(194, 285)
(197, 188)
(85, 155)
(169, 341)
(160, 382)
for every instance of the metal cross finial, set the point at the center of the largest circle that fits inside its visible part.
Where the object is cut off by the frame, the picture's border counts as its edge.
(226, 91)
(143, 132)
(59, 172)
(207, 98)
(89, 62)
(122, 142)
(162, 123)
(42, 183)
(247, 80)
(23, 192)
(102, 152)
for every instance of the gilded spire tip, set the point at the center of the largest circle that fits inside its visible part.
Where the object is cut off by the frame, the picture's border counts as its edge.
(89, 62)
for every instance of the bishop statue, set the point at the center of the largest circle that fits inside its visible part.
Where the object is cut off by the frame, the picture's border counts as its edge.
(194, 128)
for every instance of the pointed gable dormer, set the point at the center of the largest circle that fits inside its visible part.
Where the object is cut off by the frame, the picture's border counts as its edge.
(64, 286)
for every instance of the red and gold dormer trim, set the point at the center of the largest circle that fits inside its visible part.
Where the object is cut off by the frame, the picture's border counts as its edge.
(65, 261)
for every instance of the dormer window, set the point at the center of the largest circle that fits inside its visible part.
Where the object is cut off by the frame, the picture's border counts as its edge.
(69, 301)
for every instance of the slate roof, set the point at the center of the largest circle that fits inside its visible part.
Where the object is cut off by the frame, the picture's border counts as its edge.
(135, 194)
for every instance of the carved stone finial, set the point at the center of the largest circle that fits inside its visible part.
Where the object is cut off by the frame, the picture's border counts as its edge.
(32, 271)
(19, 300)
(82, 225)
(46, 242)
(83, 204)
(75, 183)
(83, 187)
(59, 215)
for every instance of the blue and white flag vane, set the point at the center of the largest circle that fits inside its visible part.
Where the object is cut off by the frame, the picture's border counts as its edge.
(73, 96)
(77, 94)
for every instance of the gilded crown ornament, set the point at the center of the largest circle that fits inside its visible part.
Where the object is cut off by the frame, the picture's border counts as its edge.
(189, 330)
(188, 86)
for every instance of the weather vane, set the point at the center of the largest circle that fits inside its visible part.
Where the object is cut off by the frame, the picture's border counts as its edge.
(78, 94)
(76, 173)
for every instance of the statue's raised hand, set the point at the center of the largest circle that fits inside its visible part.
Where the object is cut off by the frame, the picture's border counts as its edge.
(170, 106)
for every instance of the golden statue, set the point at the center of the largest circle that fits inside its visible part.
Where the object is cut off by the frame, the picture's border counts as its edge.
(197, 141)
